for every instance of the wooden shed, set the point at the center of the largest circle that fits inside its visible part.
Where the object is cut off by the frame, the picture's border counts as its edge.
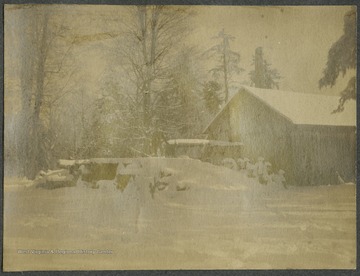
(296, 132)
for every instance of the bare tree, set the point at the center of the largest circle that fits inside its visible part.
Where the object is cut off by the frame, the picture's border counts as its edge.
(42, 64)
(153, 35)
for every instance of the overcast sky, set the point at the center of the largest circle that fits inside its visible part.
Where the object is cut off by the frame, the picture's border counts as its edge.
(295, 40)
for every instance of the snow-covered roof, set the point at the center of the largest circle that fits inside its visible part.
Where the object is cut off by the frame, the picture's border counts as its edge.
(188, 141)
(66, 163)
(202, 142)
(302, 108)
(69, 163)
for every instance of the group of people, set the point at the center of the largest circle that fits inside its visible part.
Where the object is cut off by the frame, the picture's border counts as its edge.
(260, 170)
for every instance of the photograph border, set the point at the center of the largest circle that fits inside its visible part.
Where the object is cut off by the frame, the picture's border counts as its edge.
(184, 2)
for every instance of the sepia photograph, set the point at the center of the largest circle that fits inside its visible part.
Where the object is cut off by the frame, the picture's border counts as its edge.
(174, 137)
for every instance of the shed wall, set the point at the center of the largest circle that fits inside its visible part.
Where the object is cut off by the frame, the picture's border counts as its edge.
(263, 132)
(320, 151)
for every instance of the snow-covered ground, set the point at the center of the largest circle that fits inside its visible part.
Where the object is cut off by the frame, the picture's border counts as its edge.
(203, 217)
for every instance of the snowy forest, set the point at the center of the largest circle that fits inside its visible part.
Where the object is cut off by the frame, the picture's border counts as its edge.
(155, 86)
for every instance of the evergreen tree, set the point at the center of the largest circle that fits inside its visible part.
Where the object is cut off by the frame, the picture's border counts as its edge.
(263, 76)
(341, 58)
(212, 98)
(228, 61)
(177, 113)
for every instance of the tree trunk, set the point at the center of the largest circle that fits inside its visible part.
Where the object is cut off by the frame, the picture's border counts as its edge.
(37, 149)
(38, 158)
(145, 87)
(226, 83)
(28, 67)
(259, 69)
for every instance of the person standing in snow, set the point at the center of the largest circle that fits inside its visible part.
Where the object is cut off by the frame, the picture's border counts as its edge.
(279, 179)
(250, 168)
(260, 169)
(264, 177)
(242, 163)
